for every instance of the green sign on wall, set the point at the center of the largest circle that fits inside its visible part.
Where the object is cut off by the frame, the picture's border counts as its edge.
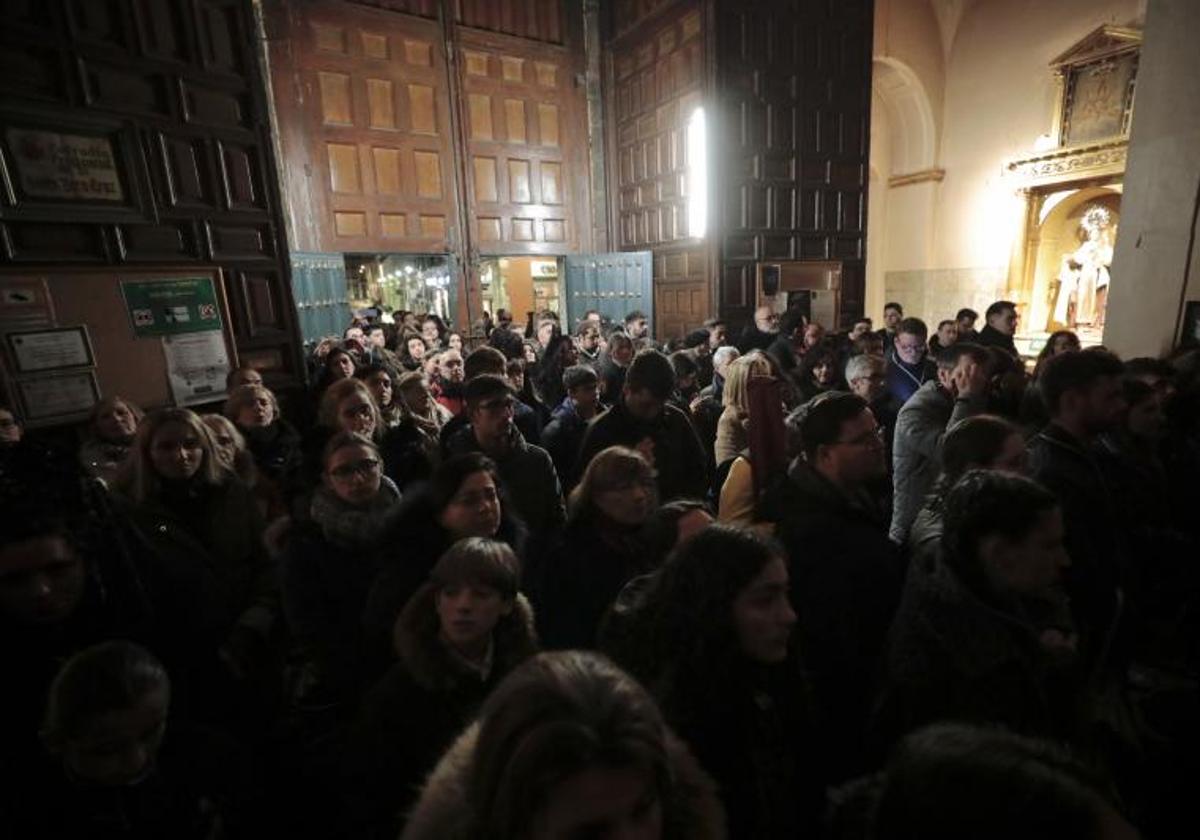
(172, 307)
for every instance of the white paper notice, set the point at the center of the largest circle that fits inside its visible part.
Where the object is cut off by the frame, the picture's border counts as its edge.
(197, 364)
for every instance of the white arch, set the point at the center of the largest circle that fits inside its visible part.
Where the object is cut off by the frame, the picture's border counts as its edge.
(913, 130)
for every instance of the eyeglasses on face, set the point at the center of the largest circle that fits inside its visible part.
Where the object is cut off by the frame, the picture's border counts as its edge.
(366, 468)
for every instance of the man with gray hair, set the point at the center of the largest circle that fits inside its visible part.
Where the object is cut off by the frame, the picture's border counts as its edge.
(867, 377)
(707, 406)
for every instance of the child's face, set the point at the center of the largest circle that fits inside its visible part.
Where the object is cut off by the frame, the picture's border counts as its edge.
(120, 746)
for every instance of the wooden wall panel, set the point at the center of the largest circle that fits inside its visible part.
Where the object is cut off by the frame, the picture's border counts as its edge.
(176, 84)
(365, 128)
(526, 144)
(794, 82)
(538, 20)
(655, 81)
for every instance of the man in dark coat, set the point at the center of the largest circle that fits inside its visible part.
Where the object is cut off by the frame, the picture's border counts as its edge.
(1001, 323)
(483, 360)
(846, 574)
(893, 314)
(563, 435)
(528, 473)
(643, 420)
(760, 334)
(987, 637)
(1083, 395)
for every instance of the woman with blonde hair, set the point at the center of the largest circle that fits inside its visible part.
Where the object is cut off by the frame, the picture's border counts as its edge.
(348, 406)
(606, 543)
(230, 447)
(733, 425)
(203, 536)
(108, 437)
(416, 446)
(271, 440)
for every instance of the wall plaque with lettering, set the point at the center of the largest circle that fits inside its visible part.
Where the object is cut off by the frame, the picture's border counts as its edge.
(65, 166)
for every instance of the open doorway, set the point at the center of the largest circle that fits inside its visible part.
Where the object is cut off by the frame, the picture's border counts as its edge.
(521, 285)
(414, 282)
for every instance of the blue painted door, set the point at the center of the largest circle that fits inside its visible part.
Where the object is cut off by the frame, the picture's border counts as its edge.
(614, 284)
(322, 299)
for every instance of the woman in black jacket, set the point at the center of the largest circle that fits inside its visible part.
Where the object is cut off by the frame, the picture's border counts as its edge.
(464, 498)
(604, 546)
(711, 639)
(463, 632)
(202, 536)
(328, 567)
(273, 441)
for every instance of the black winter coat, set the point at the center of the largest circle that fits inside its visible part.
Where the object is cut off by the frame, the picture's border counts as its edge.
(679, 457)
(529, 480)
(410, 547)
(420, 706)
(562, 438)
(578, 582)
(1094, 538)
(951, 656)
(325, 589)
(846, 577)
(755, 733)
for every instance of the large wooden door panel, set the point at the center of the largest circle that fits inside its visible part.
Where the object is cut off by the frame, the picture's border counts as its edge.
(526, 146)
(375, 99)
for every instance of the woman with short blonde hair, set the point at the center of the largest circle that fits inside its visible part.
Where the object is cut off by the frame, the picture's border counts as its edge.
(734, 421)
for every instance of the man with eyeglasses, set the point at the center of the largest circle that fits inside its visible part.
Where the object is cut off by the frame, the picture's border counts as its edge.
(845, 575)
(908, 366)
(526, 470)
(959, 391)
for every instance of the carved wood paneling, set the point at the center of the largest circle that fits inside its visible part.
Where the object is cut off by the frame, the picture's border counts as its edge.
(526, 146)
(794, 95)
(539, 20)
(179, 83)
(366, 130)
(656, 80)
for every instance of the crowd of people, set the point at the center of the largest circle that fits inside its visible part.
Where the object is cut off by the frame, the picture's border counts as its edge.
(557, 581)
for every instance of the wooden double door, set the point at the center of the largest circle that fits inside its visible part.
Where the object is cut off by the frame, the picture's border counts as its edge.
(431, 126)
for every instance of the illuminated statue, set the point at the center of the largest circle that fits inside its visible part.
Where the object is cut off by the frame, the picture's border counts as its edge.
(1083, 278)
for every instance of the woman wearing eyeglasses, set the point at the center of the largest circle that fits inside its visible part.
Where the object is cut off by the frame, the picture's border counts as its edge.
(349, 406)
(330, 563)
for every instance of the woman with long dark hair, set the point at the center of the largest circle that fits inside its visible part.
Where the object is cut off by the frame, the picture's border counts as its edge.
(712, 639)
(464, 498)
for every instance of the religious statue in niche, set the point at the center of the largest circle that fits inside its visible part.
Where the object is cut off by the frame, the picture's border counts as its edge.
(1083, 278)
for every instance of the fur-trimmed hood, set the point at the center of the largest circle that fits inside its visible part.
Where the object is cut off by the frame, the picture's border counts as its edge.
(428, 662)
(442, 813)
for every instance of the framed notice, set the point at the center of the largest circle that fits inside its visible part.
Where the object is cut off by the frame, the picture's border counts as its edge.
(66, 168)
(53, 349)
(60, 398)
(172, 306)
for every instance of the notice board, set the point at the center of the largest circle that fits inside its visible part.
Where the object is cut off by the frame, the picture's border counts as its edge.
(156, 337)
